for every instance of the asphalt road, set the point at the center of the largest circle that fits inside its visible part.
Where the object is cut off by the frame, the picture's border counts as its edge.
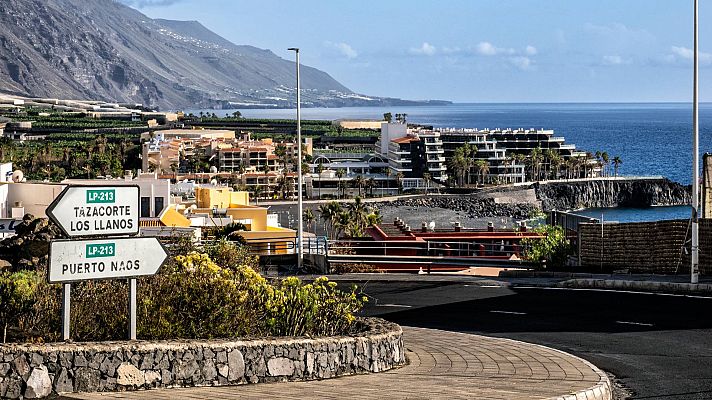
(658, 346)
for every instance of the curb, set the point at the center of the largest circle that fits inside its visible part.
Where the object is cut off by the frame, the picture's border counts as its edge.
(601, 391)
(644, 286)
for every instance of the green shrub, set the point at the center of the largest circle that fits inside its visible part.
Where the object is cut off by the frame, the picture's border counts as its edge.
(550, 251)
(191, 297)
(317, 308)
(17, 295)
(229, 254)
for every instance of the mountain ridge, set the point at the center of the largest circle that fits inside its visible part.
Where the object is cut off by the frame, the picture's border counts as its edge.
(105, 50)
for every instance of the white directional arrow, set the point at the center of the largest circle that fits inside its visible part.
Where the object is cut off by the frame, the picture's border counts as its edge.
(96, 210)
(118, 258)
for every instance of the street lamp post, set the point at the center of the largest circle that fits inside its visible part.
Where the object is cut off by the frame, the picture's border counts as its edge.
(694, 270)
(300, 200)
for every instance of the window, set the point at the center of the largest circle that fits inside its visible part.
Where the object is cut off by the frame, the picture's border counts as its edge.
(158, 205)
(145, 207)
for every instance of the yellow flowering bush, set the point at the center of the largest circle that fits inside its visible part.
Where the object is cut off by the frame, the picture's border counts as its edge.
(195, 297)
(191, 297)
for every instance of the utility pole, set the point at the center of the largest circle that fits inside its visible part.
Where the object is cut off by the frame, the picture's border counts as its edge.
(300, 200)
(694, 270)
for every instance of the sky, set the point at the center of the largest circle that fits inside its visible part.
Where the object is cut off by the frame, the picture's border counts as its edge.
(476, 50)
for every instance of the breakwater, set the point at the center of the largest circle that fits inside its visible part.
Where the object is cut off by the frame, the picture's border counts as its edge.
(608, 192)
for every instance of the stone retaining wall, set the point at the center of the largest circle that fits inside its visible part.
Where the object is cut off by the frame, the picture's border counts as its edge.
(34, 371)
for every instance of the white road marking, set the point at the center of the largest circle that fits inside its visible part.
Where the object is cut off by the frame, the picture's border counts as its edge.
(508, 312)
(393, 305)
(691, 296)
(633, 323)
(486, 286)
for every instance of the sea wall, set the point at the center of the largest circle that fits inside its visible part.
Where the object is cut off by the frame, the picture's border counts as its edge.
(39, 370)
(611, 192)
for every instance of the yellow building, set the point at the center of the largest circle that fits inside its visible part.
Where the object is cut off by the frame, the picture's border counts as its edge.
(223, 202)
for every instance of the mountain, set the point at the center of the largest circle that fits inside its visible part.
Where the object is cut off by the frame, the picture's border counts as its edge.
(105, 50)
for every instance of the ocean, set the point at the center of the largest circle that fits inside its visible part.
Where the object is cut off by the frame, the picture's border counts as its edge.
(650, 138)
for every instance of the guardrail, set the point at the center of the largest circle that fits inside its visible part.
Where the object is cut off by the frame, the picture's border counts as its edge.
(569, 221)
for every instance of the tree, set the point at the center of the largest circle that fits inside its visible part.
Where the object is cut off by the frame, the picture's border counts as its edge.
(552, 250)
(535, 159)
(606, 161)
(340, 173)
(399, 179)
(370, 185)
(256, 192)
(483, 169)
(308, 218)
(388, 117)
(359, 181)
(616, 164)
(237, 114)
(427, 178)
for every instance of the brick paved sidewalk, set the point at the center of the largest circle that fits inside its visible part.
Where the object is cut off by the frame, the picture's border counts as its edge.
(442, 365)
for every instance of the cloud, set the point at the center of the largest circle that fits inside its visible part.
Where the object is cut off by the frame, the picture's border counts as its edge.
(426, 49)
(684, 55)
(149, 3)
(619, 32)
(488, 49)
(344, 48)
(614, 60)
(530, 50)
(682, 52)
(521, 62)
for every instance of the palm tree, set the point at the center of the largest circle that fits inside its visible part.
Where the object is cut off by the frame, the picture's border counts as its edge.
(325, 214)
(616, 163)
(359, 181)
(536, 158)
(340, 173)
(399, 179)
(555, 161)
(370, 185)
(483, 169)
(606, 160)
(256, 192)
(427, 178)
(308, 218)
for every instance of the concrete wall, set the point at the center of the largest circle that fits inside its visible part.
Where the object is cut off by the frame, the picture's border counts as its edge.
(220, 198)
(660, 247)
(35, 371)
(390, 131)
(35, 197)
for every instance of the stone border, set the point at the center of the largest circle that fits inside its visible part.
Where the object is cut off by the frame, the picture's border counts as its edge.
(603, 390)
(34, 371)
(643, 286)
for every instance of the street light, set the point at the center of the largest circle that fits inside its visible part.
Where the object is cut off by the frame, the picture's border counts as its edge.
(300, 202)
(694, 268)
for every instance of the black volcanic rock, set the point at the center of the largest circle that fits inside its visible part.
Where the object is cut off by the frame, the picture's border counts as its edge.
(612, 193)
(104, 50)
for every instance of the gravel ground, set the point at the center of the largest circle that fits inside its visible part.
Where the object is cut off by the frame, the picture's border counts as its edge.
(443, 217)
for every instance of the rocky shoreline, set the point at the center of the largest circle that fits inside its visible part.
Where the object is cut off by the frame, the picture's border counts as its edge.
(470, 206)
(611, 193)
(507, 205)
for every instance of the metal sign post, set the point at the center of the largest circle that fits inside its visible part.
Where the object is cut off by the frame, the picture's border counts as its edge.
(66, 304)
(103, 217)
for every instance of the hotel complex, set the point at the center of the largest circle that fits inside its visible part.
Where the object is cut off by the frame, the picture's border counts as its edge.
(405, 158)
